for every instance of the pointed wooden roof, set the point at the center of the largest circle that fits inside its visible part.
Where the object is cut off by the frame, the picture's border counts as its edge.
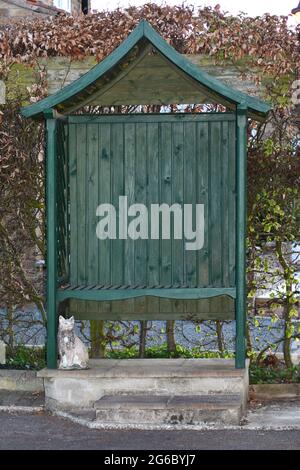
(124, 78)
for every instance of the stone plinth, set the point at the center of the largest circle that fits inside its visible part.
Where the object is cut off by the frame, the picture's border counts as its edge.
(138, 378)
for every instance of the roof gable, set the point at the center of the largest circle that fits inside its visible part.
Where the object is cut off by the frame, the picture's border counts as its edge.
(121, 72)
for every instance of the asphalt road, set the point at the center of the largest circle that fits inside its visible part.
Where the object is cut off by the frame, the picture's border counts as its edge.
(41, 431)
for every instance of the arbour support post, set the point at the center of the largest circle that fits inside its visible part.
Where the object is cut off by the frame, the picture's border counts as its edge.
(51, 226)
(241, 221)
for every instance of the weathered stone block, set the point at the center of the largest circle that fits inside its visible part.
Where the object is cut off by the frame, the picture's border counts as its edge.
(20, 380)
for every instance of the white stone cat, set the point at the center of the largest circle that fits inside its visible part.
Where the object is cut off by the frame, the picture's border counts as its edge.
(72, 352)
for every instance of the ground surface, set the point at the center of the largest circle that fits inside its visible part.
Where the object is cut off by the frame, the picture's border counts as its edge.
(41, 431)
(19, 398)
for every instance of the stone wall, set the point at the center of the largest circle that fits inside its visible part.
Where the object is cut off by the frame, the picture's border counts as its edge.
(62, 70)
(29, 8)
(24, 9)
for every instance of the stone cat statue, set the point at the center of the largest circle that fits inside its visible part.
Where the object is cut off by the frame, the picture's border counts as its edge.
(73, 353)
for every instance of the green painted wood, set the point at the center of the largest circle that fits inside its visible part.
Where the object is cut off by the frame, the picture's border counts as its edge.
(165, 157)
(67, 195)
(142, 35)
(80, 201)
(88, 79)
(232, 202)
(97, 147)
(225, 200)
(104, 194)
(155, 95)
(241, 181)
(190, 194)
(177, 184)
(129, 191)
(121, 294)
(62, 209)
(51, 227)
(117, 189)
(62, 70)
(165, 191)
(202, 187)
(218, 309)
(73, 203)
(215, 206)
(140, 196)
(153, 197)
(172, 162)
(151, 118)
(105, 87)
(92, 200)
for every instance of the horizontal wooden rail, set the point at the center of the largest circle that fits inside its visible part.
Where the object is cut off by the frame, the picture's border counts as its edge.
(153, 117)
(121, 294)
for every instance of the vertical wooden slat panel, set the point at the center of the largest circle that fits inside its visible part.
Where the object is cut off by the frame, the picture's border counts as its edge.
(165, 157)
(177, 197)
(153, 197)
(129, 185)
(104, 196)
(81, 202)
(224, 205)
(62, 178)
(166, 197)
(67, 195)
(92, 203)
(73, 203)
(232, 201)
(92, 182)
(157, 162)
(202, 149)
(117, 189)
(215, 217)
(190, 197)
(141, 246)
(129, 182)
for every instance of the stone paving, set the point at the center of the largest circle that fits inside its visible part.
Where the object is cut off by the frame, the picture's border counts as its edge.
(284, 415)
(280, 415)
(21, 401)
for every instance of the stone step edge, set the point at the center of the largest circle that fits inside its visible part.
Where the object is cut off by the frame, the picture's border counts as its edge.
(21, 409)
(172, 416)
(92, 423)
(127, 402)
(89, 374)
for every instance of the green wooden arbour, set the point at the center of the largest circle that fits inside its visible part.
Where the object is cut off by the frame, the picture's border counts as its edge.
(150, 158)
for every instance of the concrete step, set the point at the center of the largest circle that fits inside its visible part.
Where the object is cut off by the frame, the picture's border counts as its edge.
(75, 389)
(191, 410)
